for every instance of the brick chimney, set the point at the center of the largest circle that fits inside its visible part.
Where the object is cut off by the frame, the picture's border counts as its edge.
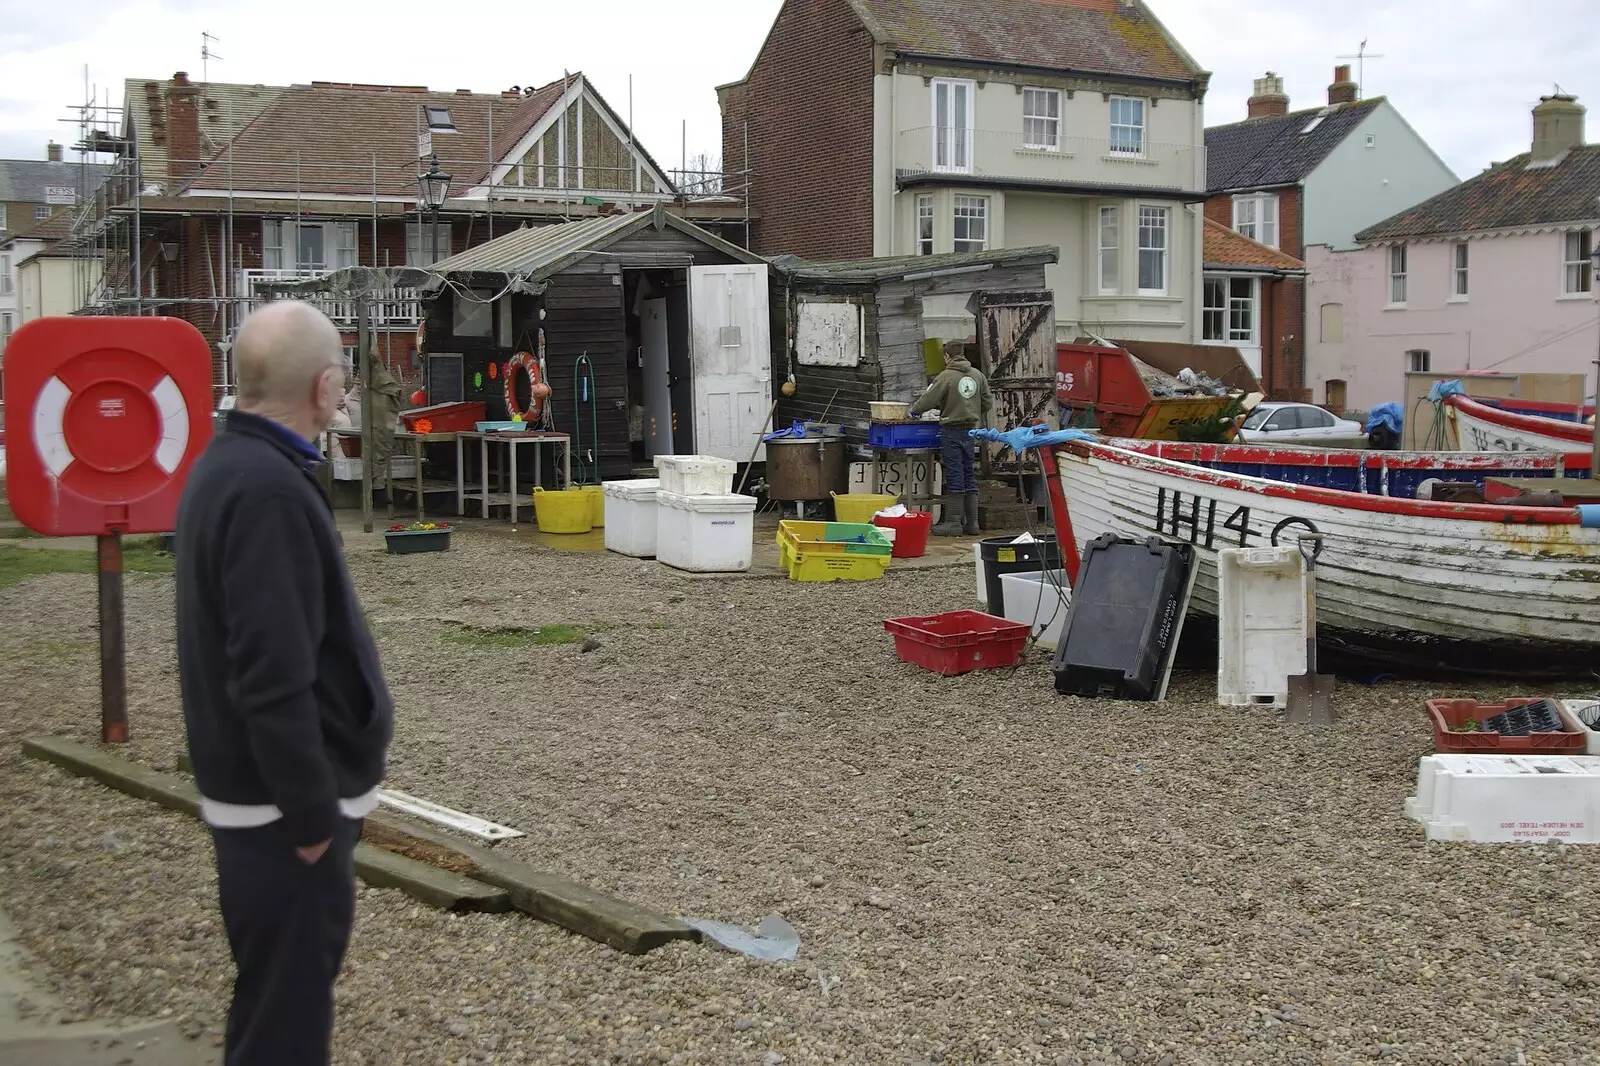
(183, 128)
(1269, 97)
(52, 152)
(1343, 90)
(1557, 128)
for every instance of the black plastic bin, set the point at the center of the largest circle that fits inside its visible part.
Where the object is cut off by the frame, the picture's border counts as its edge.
(1121, 628)
(1000, 556)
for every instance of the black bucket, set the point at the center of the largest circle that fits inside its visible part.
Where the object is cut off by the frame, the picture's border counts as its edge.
(1000, 556)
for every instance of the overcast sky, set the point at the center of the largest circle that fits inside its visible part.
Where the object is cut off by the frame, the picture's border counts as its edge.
(1464, 73)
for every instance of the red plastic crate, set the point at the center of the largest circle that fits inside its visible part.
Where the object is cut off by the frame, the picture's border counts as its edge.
(446, 417)
(1448, 714)
(958, 641)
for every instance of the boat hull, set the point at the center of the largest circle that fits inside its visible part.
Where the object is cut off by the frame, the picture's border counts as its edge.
(1409, 586)
(1481, 428)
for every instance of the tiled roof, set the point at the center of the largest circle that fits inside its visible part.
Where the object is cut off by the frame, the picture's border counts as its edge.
(331, 135)
(1227, 248)
(1507, 195)
(1278, 149)
(24, 180)
(57, 227)
(1098, 36)
(225, 109)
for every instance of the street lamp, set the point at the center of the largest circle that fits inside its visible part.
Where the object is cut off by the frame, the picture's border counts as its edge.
(435, 187)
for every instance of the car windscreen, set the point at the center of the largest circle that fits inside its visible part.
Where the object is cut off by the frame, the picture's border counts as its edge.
(1258, 418)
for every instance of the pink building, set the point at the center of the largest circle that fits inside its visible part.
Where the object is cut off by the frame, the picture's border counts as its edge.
(1497, 273)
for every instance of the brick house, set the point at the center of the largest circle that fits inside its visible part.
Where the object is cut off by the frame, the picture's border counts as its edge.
(36, 197)
(904, 127)
(221, 188)
(1290, 179)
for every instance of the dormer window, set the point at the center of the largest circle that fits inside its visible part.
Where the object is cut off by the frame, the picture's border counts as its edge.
(439, 120)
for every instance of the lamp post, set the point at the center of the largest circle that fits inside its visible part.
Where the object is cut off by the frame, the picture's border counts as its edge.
(435, 187)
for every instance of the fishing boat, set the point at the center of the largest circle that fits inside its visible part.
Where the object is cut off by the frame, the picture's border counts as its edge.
(1407, 584)
(1498, 426)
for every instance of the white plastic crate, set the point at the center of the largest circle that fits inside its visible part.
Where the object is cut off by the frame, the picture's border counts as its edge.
(696, 475)
(1261, 624)
(405, 469)
(1508, 799)
(707, 534)
(631, 516)
(1039, 599)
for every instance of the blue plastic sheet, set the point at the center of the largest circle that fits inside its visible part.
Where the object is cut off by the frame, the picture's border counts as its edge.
(1022, 438)
(773, 941)
(1441, 389)
(797, 429)
(1589, 515)
(1388, 414)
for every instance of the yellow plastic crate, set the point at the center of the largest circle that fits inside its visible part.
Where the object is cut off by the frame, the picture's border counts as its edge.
(829, 551)
(837, 567)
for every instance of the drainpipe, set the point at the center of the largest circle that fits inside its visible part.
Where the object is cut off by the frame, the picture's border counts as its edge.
(894, 140)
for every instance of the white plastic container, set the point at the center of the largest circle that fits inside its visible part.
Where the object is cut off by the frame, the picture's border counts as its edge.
(631, 516)
(977, 565)
(1039, 599)
(1261, 624)
(1575, 709)
(706, 534)
(1508, 799)
(696, 475)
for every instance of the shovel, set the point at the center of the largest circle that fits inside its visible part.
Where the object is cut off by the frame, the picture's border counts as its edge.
(1310, 693)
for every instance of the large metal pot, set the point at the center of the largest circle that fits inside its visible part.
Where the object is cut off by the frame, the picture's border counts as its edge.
(805, 468)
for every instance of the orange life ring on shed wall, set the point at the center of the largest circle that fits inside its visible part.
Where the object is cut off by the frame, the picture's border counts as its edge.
(538, 390)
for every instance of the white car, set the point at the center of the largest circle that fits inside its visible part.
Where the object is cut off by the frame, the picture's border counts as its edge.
(1296, 422)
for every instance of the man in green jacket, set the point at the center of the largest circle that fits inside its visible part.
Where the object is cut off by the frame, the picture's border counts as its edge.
(961, 396)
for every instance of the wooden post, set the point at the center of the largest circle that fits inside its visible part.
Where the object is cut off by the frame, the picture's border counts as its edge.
(364, 347)
(113, 661)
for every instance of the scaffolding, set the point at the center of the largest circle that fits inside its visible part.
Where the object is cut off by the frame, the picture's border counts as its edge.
(186, 238)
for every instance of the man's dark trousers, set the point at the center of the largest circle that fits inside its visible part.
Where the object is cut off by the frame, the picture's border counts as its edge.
(288, 925)
(957, 452)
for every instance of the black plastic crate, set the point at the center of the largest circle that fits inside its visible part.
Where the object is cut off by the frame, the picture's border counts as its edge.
(1122, 624)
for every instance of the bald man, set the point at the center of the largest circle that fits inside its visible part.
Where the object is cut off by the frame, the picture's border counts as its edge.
(287, 712)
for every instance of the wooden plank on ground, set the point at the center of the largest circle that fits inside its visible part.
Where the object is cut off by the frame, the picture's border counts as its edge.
(440, 888)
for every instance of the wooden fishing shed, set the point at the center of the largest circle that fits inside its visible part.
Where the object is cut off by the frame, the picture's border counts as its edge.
(851, 332)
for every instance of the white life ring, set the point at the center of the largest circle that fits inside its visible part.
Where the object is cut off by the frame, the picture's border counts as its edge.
(50, 436)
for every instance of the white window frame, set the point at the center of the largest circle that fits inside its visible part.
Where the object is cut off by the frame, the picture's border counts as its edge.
(924, 223)
(1223, 311)
(1577, 264)
(6, 284)
(5, 328)
(1397, 275)
(280, 241)
(41, 212)
(1255, 215)
(1136, 149)
(1159, 251)
(1110, 255)
(1460, 271)
(1414, 365)
(977, 209)
(953, 140)
(419, 245)
(1041, 119)
(2, 218)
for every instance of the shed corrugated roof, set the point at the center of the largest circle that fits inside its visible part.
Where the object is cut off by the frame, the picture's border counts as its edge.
(1278, 149)
(1100, 36)
(889, 268)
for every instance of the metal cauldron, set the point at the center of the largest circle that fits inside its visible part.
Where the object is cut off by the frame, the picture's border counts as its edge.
(805, 468)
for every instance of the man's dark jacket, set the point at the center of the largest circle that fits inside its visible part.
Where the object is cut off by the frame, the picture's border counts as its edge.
(283, 695)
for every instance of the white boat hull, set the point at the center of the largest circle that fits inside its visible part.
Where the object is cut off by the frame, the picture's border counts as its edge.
(1423, 589)
(1477, 434)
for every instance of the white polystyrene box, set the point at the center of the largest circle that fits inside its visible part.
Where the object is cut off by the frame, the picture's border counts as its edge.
(696, 475)
(631, 516)
(1037, 598)
(1508, 799)
(1261, 624)
(707, 534)
(1591, 737)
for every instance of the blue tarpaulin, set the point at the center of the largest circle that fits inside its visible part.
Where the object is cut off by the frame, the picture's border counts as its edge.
(1441, 389)
(1389, 414)
(797, 429)
(1022, 438)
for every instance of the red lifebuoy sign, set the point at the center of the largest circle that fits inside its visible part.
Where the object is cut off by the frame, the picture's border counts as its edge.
(105, 415)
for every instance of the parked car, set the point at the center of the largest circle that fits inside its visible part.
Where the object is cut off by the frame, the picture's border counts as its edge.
(1297, 422)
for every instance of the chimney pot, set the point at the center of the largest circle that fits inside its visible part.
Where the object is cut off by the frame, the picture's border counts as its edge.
(1269, 97)
(52, 152)
(1557, 128)
(1343, 90)
(180, 78)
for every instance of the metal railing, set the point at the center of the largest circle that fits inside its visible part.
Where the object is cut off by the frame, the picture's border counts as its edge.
(393, 309)
(1042, 154)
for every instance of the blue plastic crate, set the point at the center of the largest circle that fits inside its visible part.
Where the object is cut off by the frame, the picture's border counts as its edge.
(903, 434)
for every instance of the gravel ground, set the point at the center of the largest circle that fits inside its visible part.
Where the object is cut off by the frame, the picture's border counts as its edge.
(979, 871)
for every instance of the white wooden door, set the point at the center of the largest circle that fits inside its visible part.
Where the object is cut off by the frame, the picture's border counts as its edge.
(732, 358)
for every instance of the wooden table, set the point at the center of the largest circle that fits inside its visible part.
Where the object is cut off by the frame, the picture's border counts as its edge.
(507, 499)
(415, 441)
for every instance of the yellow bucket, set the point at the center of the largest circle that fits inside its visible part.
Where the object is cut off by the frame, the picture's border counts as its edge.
(563, 510)
(597, 505)
(860, 506)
